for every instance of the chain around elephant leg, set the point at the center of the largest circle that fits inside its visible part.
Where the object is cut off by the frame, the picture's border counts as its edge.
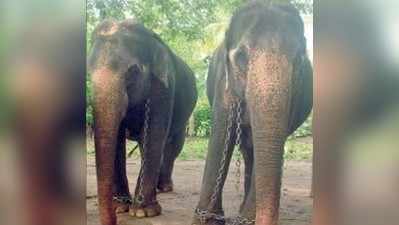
(238, 144)
(144, 206)
(204, 215)
(122, 203)
(140, 198)
(239, 220)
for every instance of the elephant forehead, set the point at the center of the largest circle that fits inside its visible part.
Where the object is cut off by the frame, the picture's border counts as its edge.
(103, 76)
(272, 64)
(108, 29)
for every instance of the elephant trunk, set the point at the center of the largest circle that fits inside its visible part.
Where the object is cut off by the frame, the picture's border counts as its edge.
(109, 104)
(268, 95)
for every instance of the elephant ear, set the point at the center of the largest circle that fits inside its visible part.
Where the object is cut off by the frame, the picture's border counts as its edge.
(161, 64)
(226, 62)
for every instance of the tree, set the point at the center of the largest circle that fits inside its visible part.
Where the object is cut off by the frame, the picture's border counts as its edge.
(183, 24)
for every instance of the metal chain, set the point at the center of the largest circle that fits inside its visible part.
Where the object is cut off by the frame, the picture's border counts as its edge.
(205, 215)
(238, 144)
(239, 220)
(140, 198)
(219, 178)
(122, 199)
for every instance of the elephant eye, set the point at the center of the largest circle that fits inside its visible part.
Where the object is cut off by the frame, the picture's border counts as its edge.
(241, 59)
(134, 70)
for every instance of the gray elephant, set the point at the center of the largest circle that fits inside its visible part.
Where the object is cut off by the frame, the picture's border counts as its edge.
(140, 88)
(260, 78)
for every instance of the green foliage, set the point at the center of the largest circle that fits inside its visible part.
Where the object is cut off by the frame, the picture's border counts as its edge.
(89, 107)
(297, 149)
(305, 6)
(194, 149)
(305, 129)
(202, 118)
(192, 28)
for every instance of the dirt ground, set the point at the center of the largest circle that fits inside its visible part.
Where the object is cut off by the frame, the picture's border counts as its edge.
(178, 206)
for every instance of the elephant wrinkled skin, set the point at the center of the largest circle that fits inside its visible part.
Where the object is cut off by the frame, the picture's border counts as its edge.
(135, 74)
(263, 63)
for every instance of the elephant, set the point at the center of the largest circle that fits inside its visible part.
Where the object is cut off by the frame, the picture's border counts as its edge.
(259, 86)
(144, 92)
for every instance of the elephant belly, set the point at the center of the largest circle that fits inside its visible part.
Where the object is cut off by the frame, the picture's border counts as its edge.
(300, 108)
(134, 121)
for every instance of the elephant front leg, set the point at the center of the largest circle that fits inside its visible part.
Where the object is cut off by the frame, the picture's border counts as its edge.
(122, 198)
(248, 208)
(145, 203)
(153, 144)
(209, 210)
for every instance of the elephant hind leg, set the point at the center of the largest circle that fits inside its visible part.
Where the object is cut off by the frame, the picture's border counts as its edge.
(172, 151)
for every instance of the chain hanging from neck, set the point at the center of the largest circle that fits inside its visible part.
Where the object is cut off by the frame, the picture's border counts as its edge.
(239, 220)
(140, 198)
(234, 117)
(221, 172)
(238, 143)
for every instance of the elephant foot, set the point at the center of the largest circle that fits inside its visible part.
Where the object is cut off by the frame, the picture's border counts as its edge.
(121, 204)
(149, 210)
(164, 187)
(122, 208)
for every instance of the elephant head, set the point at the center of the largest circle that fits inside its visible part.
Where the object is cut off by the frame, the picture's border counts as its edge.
(260, 39)
(128, 52)
(265, 53)
(126, 59)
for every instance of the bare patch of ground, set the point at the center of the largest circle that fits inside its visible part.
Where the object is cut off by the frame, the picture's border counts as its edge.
(178, 207)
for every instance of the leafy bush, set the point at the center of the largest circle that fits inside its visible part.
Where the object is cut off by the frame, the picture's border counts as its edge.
(305, 129)
(202, 118)
(295, 149)
(198, 25)
(195, 148)
(89, 108)
(89, 116)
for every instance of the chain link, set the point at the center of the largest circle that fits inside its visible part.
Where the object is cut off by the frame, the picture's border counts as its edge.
(122, 199)
(205, 215)
(140, 198)
(219, 178)
(239, 220)
(235, 110)
(238, 144)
